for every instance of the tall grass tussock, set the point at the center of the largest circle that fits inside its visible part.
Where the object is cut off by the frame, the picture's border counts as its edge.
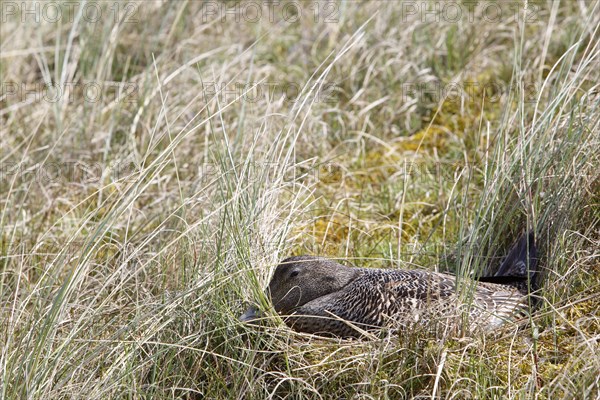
(158, 159)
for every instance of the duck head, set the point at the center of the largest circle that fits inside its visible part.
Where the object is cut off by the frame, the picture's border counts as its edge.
(298, 280)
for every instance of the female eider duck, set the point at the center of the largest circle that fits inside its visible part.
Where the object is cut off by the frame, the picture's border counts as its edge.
(319, 296)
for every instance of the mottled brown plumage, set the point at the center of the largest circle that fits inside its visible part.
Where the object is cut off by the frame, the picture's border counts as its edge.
(320, 296)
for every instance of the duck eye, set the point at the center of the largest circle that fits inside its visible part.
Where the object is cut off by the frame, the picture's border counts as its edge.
(294, 273)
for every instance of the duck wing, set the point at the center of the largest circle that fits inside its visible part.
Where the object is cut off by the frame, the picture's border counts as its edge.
(403, 298)
(373, 300)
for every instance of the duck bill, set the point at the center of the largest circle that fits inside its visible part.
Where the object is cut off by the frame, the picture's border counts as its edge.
(252, 314)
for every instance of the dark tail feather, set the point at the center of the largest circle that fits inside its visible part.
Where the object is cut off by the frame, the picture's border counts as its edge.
(519, 268)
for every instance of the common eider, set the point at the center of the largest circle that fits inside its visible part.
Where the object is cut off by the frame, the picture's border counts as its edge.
(320, 296)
